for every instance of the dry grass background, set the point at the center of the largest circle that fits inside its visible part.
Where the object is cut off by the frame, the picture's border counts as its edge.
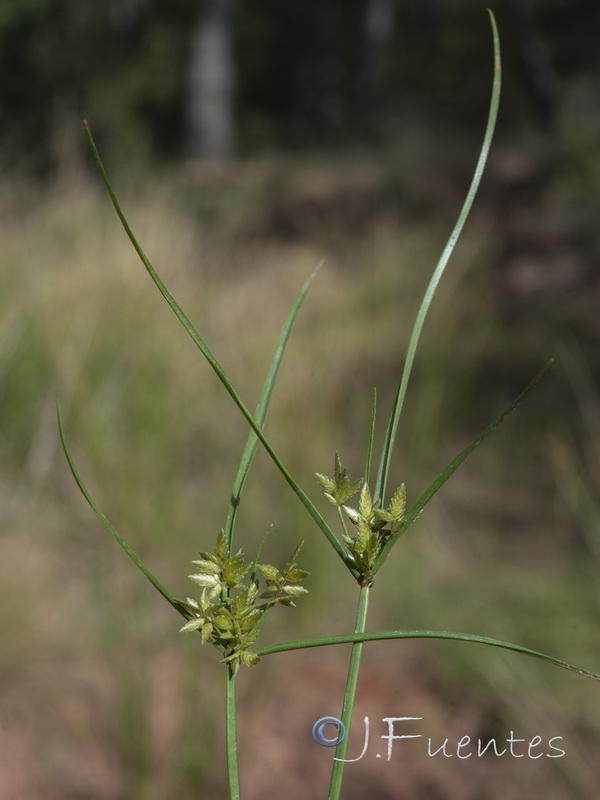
(99, 696)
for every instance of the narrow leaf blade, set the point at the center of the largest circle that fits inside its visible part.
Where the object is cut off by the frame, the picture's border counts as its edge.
(388, 446)
(371, 437)
(111, 529)
(262, 408)
(349, 638)
(455, 464)
(218, 369)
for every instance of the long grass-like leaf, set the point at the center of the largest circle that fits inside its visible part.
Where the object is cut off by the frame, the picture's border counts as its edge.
(349, 638)
(110, 527)
(371, 438)
(218, 369)
(390, 437)
(262, 408)
(455, 464)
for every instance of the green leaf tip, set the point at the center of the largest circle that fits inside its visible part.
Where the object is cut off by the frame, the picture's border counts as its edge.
(177, 605)
(386, 455)
(262, 408)
(433, 488)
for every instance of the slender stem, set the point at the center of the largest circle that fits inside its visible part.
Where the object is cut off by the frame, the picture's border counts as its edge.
(337, 773)
(341, 516)
(231, 738)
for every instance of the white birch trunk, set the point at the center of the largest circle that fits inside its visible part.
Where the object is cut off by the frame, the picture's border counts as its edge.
(209, 113)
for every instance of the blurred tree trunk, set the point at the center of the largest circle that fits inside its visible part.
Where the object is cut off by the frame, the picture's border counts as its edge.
(209, 106)
(378, 25)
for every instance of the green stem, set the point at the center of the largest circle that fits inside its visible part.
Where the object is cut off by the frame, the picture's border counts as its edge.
(337, 772)
(341, 516)
(231, 738)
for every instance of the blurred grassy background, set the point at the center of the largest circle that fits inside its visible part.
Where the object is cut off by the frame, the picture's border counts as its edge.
(100, 698)
(94, 676)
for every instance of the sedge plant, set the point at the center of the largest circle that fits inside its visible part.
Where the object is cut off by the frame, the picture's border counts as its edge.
(234, 594)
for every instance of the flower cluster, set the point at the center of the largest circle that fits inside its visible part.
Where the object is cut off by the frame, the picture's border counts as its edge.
(374, 525)
(229, 611)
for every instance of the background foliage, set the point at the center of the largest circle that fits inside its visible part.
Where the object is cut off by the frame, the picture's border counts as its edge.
(125, 66)
(113, 702)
